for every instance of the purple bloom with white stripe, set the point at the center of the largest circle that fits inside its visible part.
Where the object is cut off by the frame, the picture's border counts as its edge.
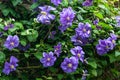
(78, 40)
(78, 53)
(69, 64)
(87, 3)
(45, 17)
(10, 66)
(56, 2)
(66, 18)
(11, 42)
(83, 30)
(104, 46)
(48, 59)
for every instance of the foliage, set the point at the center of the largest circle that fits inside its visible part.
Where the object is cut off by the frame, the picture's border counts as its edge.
(22, 14)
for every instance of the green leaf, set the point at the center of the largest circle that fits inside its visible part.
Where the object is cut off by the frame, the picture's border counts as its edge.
(26, 55)
(15, 2)
(60, 76)
(2, 57)
(98, 14)
(93, 64)
(23, 42)
(34, 5)
(5, 12)
(117, 53)
(94, 72)
(38, 55)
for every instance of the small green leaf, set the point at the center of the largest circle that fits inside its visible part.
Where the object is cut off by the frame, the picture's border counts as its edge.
(2, 57)
(94, 72)
(117, 53)
(93, 64)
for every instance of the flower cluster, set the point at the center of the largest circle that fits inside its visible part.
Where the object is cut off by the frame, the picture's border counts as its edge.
(83, 32)
(66, 18)
(10, 66)
(106, 45)
(11, 42)
(45, 17)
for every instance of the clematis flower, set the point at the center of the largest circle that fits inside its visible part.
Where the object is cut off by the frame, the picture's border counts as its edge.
(48, 59)
(78, 40)
(66, 18)
(10, 66)
(56, 2)
(11, 42)
(95, 22)
(69, 64)
(57, 49)
(44, 16)
(84, 30)
(78, 53)
(104, 46)
(87, 3)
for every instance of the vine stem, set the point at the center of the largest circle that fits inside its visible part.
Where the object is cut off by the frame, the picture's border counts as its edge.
(29, 67)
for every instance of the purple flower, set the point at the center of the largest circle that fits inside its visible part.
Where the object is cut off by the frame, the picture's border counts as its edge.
(78, 40)
(23, 48)
(57, 49)
(34, 1)
(11, 42)
(84, 30)
(52, 34)
(78, 53)
(87, 3)
(45, 17)
(48, 59)
(69, 64)
(104, 46)
(1, 34)
(95, 22)
(113, 39)
(10, 66)
(66, 18)
(8, 27)
(62, 28)
(118, 21)
(56, 2)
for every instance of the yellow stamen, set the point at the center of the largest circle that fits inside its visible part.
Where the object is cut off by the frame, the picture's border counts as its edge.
(69, 65)
(68, 18)
(79, 54)
(12, 66)
(48, 59)
(12, 43)
(43, 13)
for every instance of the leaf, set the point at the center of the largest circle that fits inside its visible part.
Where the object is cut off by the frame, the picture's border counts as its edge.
(5, 12)
(94, 72)
(23, 42)
(93, 64)
(38, 55)
(117, 53)
(98, 14)
(15, 2)
(34, 5)
(2, 57)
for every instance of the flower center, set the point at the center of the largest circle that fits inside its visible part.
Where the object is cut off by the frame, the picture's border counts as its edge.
(107, 47)
(12, 43)
(12, 66)
(43, 13)
(48, 59)
(84, 30)
(69, 65)
(78, 54)
(68, 18)
(113, 41)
